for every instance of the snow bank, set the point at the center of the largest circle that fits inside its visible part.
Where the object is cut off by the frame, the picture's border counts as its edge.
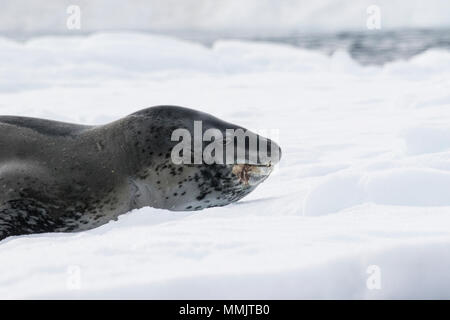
(363, 181)
(415, 187)
(427, 139)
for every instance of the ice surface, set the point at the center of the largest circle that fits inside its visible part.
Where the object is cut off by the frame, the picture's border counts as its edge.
(364, 179)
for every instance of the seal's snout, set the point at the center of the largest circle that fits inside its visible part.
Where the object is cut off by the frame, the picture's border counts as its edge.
(251, 175)
(252, 172)
(269, 154)
(273, 152)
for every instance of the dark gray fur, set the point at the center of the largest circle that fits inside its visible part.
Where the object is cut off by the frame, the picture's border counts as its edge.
(62, 177)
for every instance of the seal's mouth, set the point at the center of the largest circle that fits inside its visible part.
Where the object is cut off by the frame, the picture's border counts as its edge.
(251, 174)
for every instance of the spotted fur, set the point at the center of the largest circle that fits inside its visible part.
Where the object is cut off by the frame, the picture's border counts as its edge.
(61, 177)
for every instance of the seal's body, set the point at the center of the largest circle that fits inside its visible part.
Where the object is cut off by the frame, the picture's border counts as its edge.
(61, 177)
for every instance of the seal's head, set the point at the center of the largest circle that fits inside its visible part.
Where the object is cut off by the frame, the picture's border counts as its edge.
(190, 160)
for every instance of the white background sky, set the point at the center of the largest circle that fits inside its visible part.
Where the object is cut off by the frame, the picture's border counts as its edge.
(253, 17)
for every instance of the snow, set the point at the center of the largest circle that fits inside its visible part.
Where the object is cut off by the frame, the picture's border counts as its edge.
(363, 181)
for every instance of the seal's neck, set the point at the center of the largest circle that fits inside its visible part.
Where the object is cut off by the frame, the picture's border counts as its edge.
(118, 143)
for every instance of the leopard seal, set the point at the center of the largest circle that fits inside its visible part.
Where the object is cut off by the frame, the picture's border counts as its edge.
(63, 177)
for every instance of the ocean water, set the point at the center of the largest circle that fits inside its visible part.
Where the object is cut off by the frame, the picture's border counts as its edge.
(372, 47)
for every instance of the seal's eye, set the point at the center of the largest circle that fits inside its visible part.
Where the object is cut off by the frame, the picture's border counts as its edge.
(226, 141)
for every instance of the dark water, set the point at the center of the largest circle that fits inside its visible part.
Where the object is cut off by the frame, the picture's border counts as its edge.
(374, 47)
